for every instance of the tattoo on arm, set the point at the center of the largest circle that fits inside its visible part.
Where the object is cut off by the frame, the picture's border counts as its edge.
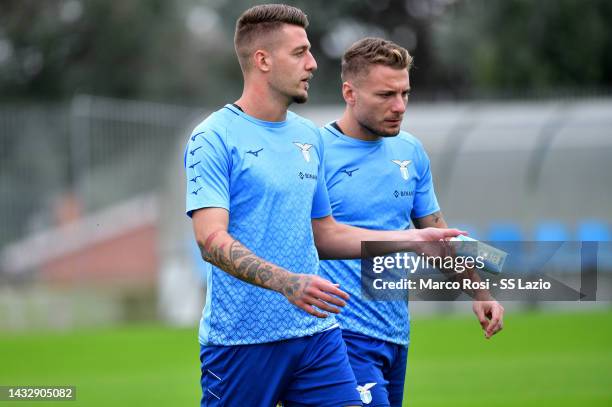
(243, 264)
(295, 285)
(210, 239)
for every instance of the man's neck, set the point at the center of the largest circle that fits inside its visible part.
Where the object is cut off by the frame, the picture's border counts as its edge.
(351, 128)
(262, 104)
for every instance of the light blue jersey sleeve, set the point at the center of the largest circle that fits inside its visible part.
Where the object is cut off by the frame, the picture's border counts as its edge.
(207, 167)
(425, 201)
(321, 206)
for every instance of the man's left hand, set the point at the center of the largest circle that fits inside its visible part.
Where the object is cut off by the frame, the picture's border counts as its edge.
(490, 314)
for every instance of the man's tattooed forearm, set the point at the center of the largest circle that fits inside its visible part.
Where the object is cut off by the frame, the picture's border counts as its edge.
(243, 264)
(250, 268)
(238, 251)
(214, 255)
(265, 273)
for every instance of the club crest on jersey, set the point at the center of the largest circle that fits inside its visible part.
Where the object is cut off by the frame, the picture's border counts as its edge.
(403, 167)
(305, 150)
(364, 392)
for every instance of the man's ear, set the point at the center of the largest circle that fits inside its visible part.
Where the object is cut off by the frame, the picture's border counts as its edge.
(262, 60)
(348, 93)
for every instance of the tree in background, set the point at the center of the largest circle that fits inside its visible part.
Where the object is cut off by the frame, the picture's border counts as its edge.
(182, 51)
(527, 47)
(57, 48)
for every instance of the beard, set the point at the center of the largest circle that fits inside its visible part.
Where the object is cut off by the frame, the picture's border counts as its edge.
(289, 92)
(387, 134)
(377, 131)
(299, 99)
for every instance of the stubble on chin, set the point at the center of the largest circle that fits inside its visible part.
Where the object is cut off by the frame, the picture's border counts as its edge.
(378, 132)
(390, 134)
(300, 99)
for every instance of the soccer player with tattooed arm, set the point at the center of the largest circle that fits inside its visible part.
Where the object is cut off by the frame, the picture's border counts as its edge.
(260, 211)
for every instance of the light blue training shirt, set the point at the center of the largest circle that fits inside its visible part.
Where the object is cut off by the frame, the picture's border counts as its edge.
(269, 176)
(377, 185)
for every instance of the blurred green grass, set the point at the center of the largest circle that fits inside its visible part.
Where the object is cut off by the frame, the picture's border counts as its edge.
(540, 359)
(124, 366)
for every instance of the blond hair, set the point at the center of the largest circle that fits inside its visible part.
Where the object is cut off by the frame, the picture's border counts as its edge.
(373, 51)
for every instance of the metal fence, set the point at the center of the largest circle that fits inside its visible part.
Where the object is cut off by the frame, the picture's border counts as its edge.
(33, 165)
(74, 179)
(81, 156)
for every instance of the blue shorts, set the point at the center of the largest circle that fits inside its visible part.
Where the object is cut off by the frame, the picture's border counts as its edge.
(380, 369)
(309, 371)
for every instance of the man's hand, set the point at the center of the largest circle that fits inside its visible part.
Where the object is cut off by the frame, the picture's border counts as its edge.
(490, 314)
(436, 234)
(307, 291)
(433, 241)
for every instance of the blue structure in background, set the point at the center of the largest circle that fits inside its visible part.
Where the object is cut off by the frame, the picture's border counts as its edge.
(592, 230)
(505, 232)
(472, 231)
(551, 231)
(553, 248)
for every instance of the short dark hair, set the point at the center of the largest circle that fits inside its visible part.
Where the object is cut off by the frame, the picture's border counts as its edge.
(259, 21)
(373, 51)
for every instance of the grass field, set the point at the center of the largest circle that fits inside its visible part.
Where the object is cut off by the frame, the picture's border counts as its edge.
(539, 360)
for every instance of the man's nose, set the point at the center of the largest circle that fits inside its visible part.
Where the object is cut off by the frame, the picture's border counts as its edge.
(311, 63)
(399, 104)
